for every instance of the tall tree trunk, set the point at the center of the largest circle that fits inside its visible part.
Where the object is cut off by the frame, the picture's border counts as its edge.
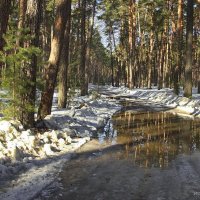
(78, 27)
(132, 26)
(5, 7)
(83, 77)
(164, 66)
(46, 27)
(113, 42)
(189, 38)
(160, 62)
(19, 43)
(151, 44)
(196, 44)
(29, 70)
(167, 55)
(179, 53)
(111, 54)
(89, 43)
(64, 62)
(21, 22)
(51, 69)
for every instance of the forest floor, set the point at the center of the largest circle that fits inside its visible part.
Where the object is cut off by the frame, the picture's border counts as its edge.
(42, 178)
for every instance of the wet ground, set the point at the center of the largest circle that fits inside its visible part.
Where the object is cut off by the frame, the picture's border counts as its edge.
(142, 154)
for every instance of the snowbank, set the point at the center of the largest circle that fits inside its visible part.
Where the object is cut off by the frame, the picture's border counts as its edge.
(164, 97)
(38, 157)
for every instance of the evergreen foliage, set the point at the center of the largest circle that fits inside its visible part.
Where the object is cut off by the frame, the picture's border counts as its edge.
(13, 83)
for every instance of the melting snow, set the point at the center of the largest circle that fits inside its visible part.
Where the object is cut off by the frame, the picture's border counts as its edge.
(37, 159)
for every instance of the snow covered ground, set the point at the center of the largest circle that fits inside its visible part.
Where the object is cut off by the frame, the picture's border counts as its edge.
(30, 162)
(166, 97)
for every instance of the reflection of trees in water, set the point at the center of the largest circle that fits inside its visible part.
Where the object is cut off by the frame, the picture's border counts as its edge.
(154, 139)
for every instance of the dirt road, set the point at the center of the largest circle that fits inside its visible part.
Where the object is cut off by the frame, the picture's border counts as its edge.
(109, 173)
(109, 170)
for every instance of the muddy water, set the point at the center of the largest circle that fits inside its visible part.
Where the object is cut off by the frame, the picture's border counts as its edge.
(153, 139)
(139, 156)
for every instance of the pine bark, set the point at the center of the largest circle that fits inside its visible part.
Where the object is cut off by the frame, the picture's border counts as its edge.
(89, 68)
(151, 44)
(5, 7)
(21, 22)
(111, 41)
(32, 21)
(132, 28)
(64, 62)
(160, 62)
(51, 69)
(179, 41)
(83, 71)
(189, 39)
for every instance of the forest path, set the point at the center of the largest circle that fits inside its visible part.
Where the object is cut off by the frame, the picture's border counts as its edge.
(108, 169)
(107, 175)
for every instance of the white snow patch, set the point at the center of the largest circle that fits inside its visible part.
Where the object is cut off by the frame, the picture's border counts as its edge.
(39, 157)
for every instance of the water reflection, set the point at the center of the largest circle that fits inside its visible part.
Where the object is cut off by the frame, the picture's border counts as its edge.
(153, 139)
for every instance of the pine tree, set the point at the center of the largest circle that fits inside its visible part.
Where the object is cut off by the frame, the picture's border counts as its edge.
(189, 40)
(5, 8)
(29, 69)
(64, 62)
(179, 34)
(84, 89)
(51, 69)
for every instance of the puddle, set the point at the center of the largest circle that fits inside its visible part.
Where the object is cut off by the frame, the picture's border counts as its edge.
(141, 155)
(152, 139)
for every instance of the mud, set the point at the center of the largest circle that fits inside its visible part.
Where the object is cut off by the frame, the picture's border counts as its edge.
(142, 155)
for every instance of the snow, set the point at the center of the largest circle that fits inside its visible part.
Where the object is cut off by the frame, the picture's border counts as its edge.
(37, 158)
(163, 97)
(167, 98)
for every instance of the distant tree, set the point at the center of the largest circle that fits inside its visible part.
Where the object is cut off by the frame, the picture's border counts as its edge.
(89, 36)
(132, 38)
(84, 89)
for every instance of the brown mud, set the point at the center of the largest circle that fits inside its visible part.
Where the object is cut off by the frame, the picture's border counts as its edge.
(143, 154)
